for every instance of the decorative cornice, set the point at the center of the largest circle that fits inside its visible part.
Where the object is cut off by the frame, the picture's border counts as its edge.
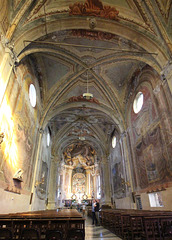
(82, 99)
(93, 8)
(92, 35)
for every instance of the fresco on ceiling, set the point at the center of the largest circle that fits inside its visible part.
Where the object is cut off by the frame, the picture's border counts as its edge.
(80, 131)
(78, 183)
(79, 155)
(82, 99)
(55, 70)
(93, 8)
(20, 124)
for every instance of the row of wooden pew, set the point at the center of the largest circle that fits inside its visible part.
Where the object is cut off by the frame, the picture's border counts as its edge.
(137, 224)
(66, 222)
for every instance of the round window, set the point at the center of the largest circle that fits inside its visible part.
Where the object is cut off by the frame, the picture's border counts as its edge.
(138, 102)
(114, 141)
(48, 139)
(32, 95)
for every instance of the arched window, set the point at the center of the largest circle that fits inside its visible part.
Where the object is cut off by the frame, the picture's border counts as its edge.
(138, 102)
(32, 95)
(48, 139)
(114, 141)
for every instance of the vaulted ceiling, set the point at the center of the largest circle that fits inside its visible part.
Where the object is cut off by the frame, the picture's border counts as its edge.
(97, 44)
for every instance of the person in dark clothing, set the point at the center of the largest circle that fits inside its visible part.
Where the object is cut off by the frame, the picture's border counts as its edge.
(94, 219)
(97, 207)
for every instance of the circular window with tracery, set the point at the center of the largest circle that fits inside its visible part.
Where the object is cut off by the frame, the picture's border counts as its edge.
(114, 141)
(32, 95)
(138, 102)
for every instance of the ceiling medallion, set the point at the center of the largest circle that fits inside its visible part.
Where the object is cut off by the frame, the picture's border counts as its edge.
(93, 8)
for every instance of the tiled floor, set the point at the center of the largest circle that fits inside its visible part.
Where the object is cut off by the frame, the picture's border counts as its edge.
(93, 232)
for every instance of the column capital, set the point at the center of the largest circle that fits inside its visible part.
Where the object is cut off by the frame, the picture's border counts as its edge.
(9, 48)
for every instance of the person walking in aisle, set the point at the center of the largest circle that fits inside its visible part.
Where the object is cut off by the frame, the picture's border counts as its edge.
(97, 207)
(94, 219)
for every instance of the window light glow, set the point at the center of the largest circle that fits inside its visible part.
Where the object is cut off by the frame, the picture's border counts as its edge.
(114, 141)
(32, 95)
(7, 126)
(48, 139)
(155, 199)
(138, 102)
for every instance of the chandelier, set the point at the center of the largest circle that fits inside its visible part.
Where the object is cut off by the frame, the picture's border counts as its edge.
(87, 95)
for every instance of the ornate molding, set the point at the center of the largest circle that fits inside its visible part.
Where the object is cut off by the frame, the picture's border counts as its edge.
(144, 16)
(32, 18)
(92, 35)
(165, 10)
(82, 99)
(93, 8)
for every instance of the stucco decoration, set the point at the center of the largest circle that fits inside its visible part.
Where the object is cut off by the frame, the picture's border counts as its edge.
(79, 155)
(81, 98)
(93, 8)
(92, 35)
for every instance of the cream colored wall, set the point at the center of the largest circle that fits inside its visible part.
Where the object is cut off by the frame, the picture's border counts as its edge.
(166, 198)
(11, 202)
(124, 203)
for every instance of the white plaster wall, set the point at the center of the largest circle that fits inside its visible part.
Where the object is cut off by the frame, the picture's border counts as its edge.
(166, 198)
(12, 203)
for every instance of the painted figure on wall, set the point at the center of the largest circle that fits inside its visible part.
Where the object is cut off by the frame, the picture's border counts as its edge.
(118, 179)
(151, 162)
(151, 167)
(78, 183)
(42, 183)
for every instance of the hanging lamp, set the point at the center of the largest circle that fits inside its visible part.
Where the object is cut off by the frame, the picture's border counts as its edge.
(87, 95)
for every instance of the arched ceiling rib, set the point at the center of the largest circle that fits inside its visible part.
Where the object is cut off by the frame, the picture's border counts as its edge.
(69, 49)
